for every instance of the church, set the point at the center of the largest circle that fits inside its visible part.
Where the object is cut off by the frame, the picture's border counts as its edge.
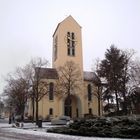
(67, 47)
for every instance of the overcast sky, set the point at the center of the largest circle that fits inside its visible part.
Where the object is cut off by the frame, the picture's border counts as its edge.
(27, 26)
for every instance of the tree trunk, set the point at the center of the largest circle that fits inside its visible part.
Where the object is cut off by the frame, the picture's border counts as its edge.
(69, 104)
(124, 95)
(22, 113)
(36, 111)
(69, 113)
(99, 102)
(117, 101)
(124, 104)
(22, 117)
(33, 111)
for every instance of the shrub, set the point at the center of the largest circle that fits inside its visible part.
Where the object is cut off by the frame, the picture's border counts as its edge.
(121, 127)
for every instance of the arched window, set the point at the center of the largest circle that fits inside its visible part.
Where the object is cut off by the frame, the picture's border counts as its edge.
(50, 111)
(90, 110)
(51, 92)
(89, 92)
(68, 106)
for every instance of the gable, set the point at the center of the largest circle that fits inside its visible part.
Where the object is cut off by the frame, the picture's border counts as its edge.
(69, 20)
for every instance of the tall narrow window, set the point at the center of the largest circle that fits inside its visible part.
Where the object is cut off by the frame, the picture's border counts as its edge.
(77, 113)
(50, 111)
(89, 92)
(90, 110)
(55, 48)
(70, 44)
(73, 36)
(51, 91)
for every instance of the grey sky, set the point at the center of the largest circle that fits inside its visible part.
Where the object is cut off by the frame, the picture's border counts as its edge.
(27, 26)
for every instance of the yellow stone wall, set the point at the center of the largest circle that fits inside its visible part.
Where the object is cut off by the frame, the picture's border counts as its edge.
(58, 103)
(68, 25)
(94, 102)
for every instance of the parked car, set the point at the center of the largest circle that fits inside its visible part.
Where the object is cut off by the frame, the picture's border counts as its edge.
(1, 116)
(17, 118)
(63, 120)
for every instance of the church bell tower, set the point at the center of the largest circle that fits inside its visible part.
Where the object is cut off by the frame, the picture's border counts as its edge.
(67, 43)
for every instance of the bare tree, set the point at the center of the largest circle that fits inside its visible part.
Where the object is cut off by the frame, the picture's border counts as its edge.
(37, 83)
(134, 86)
(27, 82)
(99, 85)
(16, 91)
(135, 73)
(128, 54)
(1, 107)
(69, 80)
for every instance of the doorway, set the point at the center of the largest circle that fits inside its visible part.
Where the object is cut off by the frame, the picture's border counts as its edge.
(68, 107)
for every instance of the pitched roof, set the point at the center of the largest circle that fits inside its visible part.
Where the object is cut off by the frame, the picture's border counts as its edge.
(51, 73)
(48, 73)
(90, 76)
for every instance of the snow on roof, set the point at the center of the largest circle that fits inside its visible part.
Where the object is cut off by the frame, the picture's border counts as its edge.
(49, 73)
(90, 76)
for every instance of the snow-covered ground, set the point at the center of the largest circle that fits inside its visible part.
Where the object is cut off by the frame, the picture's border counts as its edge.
(32, 129)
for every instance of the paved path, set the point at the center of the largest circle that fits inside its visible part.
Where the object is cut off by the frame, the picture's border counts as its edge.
(6, 135)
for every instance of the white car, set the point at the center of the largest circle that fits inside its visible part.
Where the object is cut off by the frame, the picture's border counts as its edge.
(63, 120)
(2, 117)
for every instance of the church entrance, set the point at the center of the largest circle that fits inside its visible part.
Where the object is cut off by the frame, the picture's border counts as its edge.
(68, 107)
(72, 106)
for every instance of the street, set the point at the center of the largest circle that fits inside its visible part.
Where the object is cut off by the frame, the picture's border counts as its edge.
(6, 135)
